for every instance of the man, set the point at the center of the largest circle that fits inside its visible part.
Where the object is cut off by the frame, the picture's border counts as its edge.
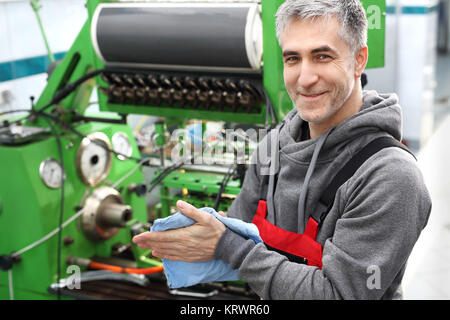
(376, 216)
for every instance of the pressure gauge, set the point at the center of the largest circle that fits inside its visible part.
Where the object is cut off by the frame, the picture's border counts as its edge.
(51, 173)
(94, 158)
(121, 144)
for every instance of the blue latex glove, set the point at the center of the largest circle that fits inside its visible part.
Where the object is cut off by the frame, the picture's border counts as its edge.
(185, 274)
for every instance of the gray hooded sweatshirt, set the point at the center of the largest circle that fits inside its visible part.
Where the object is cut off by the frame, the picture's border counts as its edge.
(367, 236)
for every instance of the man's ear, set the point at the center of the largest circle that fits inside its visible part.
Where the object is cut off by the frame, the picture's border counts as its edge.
(361, 58)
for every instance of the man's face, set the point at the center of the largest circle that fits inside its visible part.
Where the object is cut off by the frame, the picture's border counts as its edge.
(319, 70)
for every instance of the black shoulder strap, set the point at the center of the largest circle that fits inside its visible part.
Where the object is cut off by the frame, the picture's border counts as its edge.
(327, 199)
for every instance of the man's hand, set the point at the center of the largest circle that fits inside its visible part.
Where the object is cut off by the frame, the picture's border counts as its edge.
(195, 243)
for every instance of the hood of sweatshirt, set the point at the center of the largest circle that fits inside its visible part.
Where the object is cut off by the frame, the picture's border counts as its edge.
(314, 162)
(379, 113)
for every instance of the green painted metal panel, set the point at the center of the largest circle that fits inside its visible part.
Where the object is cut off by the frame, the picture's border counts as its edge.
(376, 16)
(207, 183)
(30, 210)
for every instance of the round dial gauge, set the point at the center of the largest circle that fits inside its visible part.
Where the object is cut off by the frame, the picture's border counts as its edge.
(94, 159)
(121, 144)
(51, 173)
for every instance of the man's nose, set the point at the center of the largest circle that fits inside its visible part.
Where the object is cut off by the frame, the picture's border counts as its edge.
(308, 76)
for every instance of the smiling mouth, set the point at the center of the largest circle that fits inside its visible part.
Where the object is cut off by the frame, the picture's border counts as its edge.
(312, 96)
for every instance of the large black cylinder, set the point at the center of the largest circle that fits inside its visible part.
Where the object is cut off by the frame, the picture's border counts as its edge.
(181, 36)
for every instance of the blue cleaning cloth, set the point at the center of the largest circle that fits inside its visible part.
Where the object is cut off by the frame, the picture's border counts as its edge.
(185, 274)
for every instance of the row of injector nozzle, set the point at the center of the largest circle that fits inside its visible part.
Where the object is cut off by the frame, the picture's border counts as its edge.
(206, 93)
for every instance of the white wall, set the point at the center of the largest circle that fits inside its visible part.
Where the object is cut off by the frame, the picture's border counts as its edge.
(411, 43)
(20, 37)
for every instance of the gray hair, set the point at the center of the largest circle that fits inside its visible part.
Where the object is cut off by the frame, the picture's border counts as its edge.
(350, 13)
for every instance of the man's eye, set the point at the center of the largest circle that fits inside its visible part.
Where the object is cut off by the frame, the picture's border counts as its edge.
(291, 59)
(323, 57)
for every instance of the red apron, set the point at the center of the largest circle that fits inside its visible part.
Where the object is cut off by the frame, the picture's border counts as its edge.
(301, 248)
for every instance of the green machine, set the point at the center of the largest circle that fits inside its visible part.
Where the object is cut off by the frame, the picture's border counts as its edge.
(73, 192)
